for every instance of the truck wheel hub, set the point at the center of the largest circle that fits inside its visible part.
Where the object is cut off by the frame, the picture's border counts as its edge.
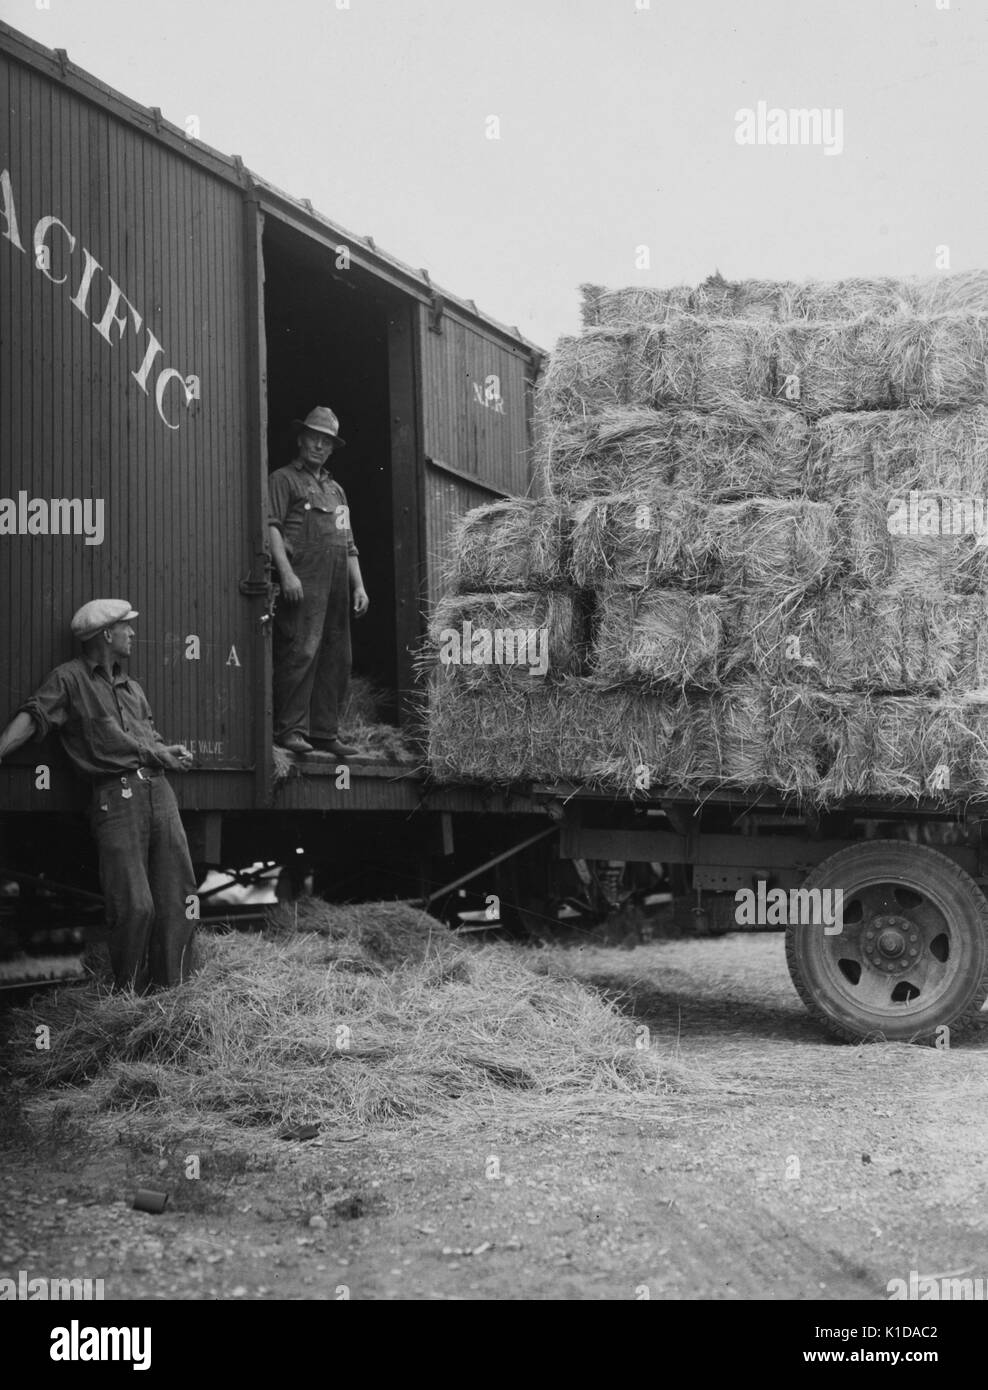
(891, 943)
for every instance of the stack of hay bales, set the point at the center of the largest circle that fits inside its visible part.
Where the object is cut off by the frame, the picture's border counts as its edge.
(757, 555)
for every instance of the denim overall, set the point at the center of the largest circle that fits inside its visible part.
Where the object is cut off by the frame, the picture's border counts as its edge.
(312, 655)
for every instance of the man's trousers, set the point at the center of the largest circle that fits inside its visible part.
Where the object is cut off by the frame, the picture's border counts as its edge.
(147, 879)
(312, 655)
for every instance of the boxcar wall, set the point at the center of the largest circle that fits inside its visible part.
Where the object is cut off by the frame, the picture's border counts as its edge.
(140, 367)
(124, 438)
(476, 424)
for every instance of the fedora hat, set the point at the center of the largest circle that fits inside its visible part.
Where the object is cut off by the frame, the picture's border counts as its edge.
(323, 420)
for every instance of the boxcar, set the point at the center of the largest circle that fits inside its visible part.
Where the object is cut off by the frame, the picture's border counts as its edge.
(166, 314)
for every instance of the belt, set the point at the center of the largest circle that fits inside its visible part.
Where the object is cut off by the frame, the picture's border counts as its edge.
(142, 774)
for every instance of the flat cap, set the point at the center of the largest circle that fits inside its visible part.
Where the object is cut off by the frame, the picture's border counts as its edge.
(92, 617)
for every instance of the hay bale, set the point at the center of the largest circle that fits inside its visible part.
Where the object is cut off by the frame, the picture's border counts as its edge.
(965, 292)
(893, 746)
(757, 449)
(832, 301)
(783, 545)
(851, 640)
(584, 375)
(752, 299)
(822, 367)
(926, 549)
(850, 299)
(660, 637)
(903, 450)
(514, 544)
(477, 631)
(617, 450)
(499, 732)
(639, 539)
(748, 735)
(939, 361)
(633, 305)
(715, 364)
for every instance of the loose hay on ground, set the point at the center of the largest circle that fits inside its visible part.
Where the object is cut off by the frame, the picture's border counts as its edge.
(254, 1040)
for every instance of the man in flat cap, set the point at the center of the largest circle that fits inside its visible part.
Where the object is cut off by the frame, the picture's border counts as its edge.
(105, 725)
(319, 572)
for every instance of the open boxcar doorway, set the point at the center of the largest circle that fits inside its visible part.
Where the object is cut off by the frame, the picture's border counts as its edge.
(328, 344)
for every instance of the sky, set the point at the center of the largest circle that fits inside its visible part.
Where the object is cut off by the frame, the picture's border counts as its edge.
(616, 159)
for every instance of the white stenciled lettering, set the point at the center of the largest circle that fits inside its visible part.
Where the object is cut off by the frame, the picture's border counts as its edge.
(118, 311)
(43, 262)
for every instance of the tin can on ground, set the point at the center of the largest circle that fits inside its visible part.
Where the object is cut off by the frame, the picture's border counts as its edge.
(145, 1199)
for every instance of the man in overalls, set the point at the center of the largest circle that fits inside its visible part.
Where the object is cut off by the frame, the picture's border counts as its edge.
(316, 559)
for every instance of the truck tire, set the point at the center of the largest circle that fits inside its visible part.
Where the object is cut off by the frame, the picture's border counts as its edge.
(912, 954)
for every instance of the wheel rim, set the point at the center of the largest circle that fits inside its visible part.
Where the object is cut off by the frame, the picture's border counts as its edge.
(899, 952)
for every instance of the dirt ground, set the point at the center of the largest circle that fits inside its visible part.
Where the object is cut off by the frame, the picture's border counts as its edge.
(787, 1167)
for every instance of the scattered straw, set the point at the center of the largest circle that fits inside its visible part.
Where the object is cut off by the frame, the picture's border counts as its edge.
(257, 1038)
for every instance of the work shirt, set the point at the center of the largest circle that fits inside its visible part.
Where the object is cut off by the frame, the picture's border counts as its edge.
(295, 490)
(103, 719)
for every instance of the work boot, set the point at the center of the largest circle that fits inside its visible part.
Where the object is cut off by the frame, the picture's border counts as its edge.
(333, 745)
(295, 743)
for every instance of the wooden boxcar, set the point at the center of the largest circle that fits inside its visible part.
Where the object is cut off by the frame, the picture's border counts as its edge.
(166, 314)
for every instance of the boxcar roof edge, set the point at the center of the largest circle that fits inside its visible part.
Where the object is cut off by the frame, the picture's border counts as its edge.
(149, 120)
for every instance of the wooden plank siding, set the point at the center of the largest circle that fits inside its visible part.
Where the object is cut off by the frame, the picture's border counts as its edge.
(75, 423)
